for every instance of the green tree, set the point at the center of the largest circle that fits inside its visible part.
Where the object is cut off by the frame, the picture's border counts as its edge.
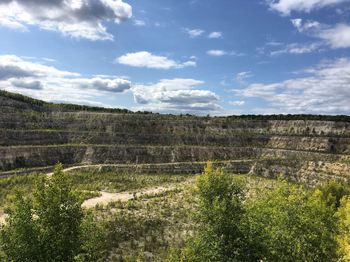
(94, 237)
(294, 224)
(19, 239)
(219, 236)
(332, 192)
(47, 228)
(343, 214)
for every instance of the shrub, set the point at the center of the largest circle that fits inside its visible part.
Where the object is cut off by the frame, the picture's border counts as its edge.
(46, 228)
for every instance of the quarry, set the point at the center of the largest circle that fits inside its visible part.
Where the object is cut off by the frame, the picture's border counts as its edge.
(35, 135)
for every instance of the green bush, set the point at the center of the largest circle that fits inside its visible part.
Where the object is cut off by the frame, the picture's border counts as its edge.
(287, 223)
(47, 227)
(293, 224)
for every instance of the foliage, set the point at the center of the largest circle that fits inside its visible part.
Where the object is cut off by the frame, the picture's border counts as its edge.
(118, 182)
(332, 192)
(293, 224)
(343, 214)
(93, 240)
(225, 219)
(44, 106)
(220, 236)
(287, 223)
(19, 239)
(46, 228)
(16, 185)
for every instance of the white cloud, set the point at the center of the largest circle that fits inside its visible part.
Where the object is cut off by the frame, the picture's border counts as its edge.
(325, 90)
(175, 96)
(274, 43)
(215, 35)
(193, 33)
(216, 52)
(237, 103)
(139, 22)
(51, 84)
(298, 49)
(241, 77)
(75, 18)
(27, 84)
(148, 60)
(337, 36)
(302, 26)
(110, 85)
(285, 7)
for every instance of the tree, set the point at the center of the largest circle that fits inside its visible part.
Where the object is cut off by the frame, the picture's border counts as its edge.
(47, 227)
(286, 223)
(294, 224)
(331, 192)
(219, 236)
(94, 237)
(343, 214)
(19, 239)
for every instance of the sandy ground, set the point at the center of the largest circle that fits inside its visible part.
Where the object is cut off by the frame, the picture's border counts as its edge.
(2, 218)
(106, 197)
(74, 168)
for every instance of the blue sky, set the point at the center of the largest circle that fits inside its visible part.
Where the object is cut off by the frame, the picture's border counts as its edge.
(201, 57)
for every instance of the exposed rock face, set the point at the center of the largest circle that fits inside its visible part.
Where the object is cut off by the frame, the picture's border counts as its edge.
(36, 135)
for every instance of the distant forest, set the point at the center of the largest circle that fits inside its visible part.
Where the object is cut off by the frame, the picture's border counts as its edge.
(72, 107)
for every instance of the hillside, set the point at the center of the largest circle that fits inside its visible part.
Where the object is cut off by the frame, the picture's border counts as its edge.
(36, 134)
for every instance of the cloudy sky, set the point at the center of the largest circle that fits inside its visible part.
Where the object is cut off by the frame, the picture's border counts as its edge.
(218, 57)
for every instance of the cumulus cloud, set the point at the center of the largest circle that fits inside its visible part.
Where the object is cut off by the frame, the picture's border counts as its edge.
(174, 96)
(26, 76)
(10, 71)
(337, 36)
(324, 90)
(27, 84)
(215, 35)
(75, 18)
(193, 33)
(285, 7)
(149, 60)
(103, 84)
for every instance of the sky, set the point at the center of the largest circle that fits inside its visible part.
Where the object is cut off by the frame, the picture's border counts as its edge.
(217, 57)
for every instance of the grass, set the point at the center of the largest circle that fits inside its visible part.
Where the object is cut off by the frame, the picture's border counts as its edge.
(17, 184)
(86, 183)
(146, 227)
(118, 182)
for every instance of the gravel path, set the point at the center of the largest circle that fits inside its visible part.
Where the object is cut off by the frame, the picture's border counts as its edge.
(106, 197)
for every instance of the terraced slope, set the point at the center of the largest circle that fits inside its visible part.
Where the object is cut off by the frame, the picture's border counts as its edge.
(37, 134)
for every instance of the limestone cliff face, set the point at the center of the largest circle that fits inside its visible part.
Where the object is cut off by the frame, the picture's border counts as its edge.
(34, 134)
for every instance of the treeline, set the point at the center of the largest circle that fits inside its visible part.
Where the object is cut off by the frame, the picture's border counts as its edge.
(39, 104)
(336, 118)
(73, 107)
